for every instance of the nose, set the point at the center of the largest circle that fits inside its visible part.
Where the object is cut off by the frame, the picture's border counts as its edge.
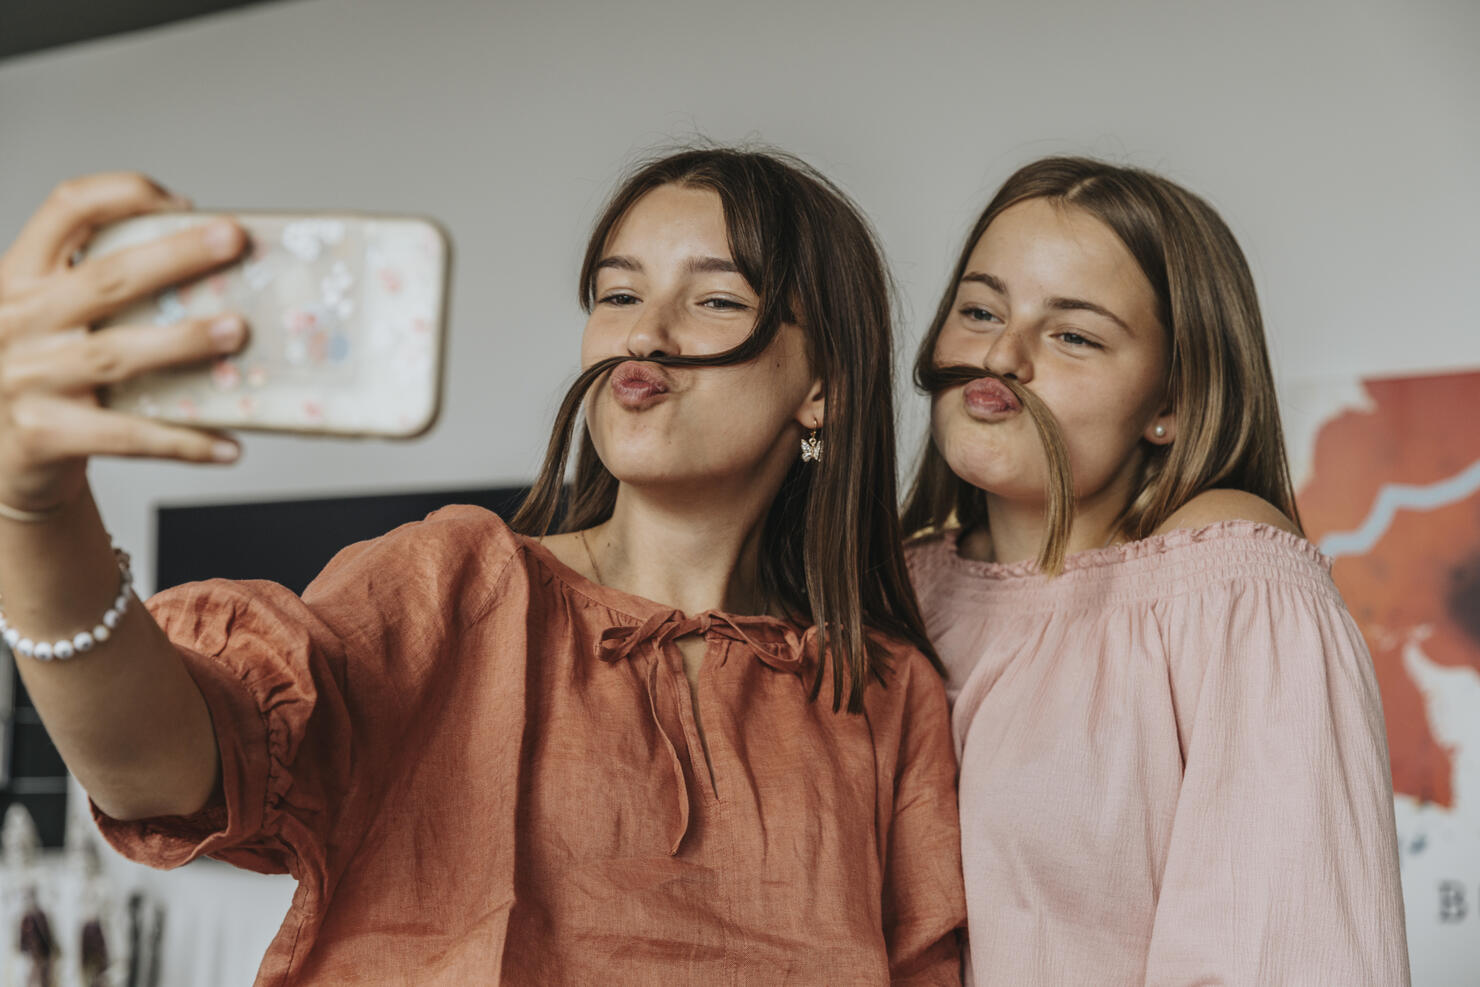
(652, 332)
(1010, 356)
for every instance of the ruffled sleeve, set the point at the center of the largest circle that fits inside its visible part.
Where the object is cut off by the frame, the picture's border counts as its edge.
(309, 697)
(1282, 864)
(924, 897)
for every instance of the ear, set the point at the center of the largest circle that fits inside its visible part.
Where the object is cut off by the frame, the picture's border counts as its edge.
(813, 411)
(1166, 421)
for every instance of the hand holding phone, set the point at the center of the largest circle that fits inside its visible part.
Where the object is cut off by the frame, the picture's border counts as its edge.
(347, 323)
(52, 368)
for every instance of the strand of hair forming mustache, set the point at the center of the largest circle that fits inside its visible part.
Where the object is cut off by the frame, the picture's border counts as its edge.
(537, 513)
(1059, 495)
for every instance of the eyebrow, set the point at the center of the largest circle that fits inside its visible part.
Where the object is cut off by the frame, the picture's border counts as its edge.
(1059, 304)
(990, 280)
(711, 265)
(1081, 305)
(694, 265)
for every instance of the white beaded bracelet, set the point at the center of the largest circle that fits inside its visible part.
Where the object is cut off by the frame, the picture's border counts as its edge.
(83, 641)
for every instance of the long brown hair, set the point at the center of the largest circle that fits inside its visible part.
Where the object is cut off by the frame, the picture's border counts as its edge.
(1219, 382)
(830, 551)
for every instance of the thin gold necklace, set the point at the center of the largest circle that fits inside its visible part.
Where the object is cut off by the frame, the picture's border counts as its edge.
(591, 558)
(765, 608)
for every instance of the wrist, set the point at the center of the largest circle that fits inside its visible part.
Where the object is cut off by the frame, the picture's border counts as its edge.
(39, 506)
(25, 516)
(83, 641)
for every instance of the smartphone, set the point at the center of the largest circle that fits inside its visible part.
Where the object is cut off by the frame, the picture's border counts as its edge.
(346, 314)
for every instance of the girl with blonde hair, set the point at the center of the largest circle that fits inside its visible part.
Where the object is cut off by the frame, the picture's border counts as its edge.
(1173, 764)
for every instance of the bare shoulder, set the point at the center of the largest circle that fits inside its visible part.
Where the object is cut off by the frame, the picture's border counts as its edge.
(1212, 506)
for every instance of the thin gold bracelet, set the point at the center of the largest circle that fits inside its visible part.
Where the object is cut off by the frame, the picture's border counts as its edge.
(29, 517)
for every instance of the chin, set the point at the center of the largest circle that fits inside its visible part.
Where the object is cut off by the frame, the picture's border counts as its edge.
(636, 465)
(649, 460)
(995, 470)
(1007, 488)
(645, 451)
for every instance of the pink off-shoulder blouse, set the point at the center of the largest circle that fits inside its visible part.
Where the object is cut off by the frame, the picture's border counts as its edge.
(1173, 765)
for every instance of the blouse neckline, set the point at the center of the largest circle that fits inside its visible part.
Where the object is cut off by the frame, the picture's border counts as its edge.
(1174, 543)
(638, 608)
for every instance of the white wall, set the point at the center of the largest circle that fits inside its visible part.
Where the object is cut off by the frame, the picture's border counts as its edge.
(1339, 140)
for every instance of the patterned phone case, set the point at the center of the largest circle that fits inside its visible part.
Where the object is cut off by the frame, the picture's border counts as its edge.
(346, 314)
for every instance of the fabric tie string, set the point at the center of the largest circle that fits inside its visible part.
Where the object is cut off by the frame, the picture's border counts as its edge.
(617, 644)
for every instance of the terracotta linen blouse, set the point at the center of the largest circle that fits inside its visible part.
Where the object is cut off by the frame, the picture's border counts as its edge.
(1173, 766)
(481, 767)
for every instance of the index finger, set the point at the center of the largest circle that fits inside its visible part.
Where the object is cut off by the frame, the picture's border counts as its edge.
(74, 211)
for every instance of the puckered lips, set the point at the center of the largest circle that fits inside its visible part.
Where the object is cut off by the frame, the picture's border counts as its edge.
(989, 400)
(638, 385)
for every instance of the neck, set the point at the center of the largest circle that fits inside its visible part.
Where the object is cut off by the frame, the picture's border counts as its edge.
(693, 552)
(1016, 528)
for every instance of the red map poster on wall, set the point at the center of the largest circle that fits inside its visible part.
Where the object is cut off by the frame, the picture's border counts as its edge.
(1391, 492)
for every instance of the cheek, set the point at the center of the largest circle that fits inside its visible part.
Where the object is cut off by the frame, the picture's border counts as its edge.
(756, 400)
(1004, 458)
(1101, 419)
(727, 422)
(589, 355)
(606, 333)
(940, 417)
(1104, 404)
(959, 346)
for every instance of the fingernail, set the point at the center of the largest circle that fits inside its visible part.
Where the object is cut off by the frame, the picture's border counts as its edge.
(224, 452)
(227, 331)
(223, 239)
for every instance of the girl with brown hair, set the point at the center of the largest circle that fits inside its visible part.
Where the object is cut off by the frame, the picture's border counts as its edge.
(696, 736)
(1173, 765)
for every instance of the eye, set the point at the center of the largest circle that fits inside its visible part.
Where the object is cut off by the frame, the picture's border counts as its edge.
(622, 298)
(724, 304)
(1077, 341)
(975, 313)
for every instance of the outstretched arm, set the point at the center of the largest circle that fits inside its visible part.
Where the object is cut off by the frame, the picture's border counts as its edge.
(125, 715)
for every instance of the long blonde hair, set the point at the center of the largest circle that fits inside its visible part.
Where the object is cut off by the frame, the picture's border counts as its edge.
(1219, 382)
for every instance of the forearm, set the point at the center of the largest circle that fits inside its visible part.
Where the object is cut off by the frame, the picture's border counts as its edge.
(126, 716)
